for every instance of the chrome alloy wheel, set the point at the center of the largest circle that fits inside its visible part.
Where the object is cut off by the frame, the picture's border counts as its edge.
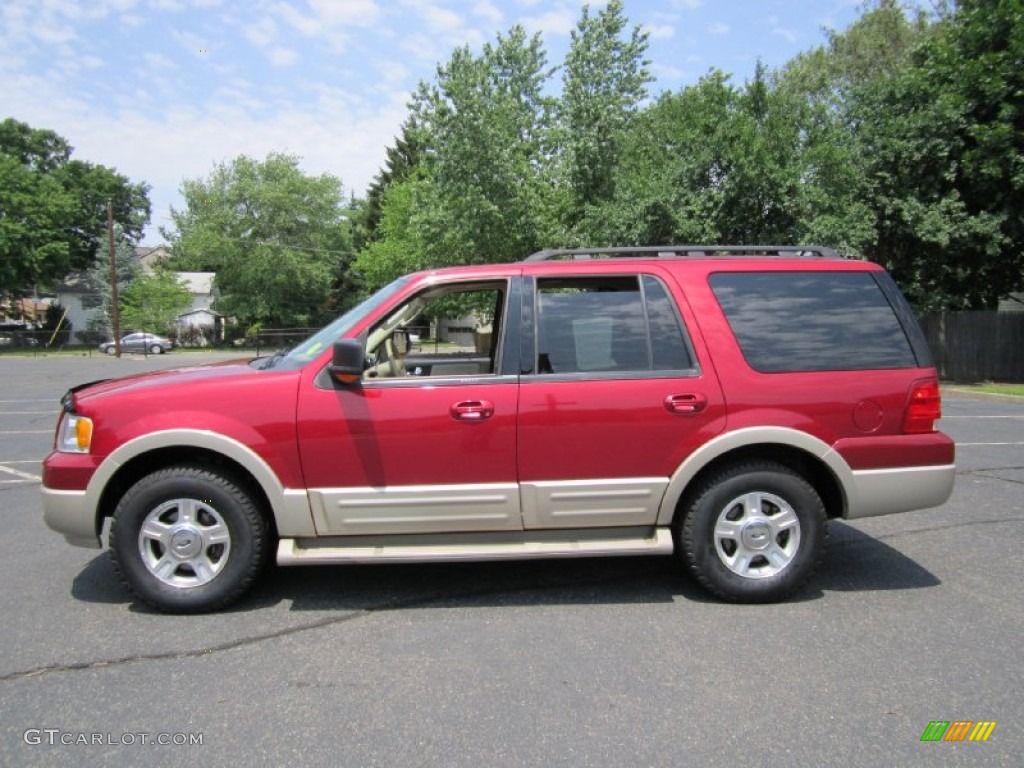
(757, 535)
(184, 543)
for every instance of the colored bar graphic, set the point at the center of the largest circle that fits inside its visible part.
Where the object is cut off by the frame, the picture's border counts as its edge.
(958, 730)
(935, 730)
(982, 730)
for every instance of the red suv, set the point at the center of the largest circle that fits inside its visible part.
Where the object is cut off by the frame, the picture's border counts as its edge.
(716, 402)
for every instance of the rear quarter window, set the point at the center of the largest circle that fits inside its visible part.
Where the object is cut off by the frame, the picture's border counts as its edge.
(812, 321)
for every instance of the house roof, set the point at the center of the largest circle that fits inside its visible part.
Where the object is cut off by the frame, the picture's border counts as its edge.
(191, 312)
(74, 282)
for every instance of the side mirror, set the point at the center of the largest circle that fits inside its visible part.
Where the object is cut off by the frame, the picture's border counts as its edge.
(347, 363)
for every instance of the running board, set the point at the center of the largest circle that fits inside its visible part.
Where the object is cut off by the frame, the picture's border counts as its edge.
(463, 547)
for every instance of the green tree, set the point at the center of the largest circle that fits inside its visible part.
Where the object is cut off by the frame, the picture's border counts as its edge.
(604, 82)
(278, 239)
(101, 292)
(53, 209)
(153, 302)
(488, 124)
(938, 139)
(402, 160)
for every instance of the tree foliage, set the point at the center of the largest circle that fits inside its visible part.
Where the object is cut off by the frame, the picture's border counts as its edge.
(899, 140)
(53, 209)
(278, 239)
(153, 302)
(604, 81)
(100, 289)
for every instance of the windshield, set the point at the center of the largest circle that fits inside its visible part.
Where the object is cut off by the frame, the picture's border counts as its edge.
(312, 347)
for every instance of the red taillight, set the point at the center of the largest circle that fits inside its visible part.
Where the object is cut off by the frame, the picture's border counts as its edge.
(924, 407)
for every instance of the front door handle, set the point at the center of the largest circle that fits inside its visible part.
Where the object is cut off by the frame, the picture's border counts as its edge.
(472, 410)
(686, 405)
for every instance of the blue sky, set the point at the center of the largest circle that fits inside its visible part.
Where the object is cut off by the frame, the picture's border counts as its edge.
(164, 89)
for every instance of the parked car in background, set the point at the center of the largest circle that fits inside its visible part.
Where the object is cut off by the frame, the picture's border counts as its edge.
(140, 342)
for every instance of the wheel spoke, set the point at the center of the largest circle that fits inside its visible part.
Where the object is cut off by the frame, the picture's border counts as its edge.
(741, 562)
(727, 529)
(203, 568)
(215, 534)
(785, 520)
(188, 510)
(752, 505)
(165, 567)
(777, 557)
(156, 531)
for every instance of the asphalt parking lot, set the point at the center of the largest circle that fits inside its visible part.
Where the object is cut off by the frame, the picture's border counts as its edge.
(616, 662)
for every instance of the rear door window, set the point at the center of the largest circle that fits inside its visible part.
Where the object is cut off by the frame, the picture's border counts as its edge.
(812, 321)
(607, 325)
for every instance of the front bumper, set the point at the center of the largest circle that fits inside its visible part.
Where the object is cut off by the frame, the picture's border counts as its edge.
(67, 512)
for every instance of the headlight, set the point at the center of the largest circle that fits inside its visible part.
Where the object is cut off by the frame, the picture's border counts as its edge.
(75, 434)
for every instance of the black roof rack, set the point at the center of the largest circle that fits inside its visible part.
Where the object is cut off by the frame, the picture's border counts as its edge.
(676, 251)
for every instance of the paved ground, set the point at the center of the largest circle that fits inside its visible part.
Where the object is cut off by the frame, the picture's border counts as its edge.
(913, 618)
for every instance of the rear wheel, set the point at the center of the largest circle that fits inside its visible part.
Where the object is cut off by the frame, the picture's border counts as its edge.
(188, 540)
(754, 532)
(156, 349)
(111, 350)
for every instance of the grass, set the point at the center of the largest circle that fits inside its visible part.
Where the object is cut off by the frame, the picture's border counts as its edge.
(994, 388)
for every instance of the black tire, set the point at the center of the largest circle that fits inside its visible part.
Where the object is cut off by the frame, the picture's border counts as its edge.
(204, 534)
(111, 350)
(156, 349)
(772, 534)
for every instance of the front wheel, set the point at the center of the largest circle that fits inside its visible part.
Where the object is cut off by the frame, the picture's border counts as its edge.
(752, 533)
(188, 540)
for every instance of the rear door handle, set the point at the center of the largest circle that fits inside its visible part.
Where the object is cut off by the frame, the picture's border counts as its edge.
(472, 410)
(686, 405)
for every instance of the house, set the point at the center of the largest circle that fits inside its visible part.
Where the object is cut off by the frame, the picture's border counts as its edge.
(1012, 303)
(150, 256)
(81, 304)
(199, 324)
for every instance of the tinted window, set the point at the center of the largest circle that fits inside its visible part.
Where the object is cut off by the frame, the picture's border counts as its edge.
(669, 348)
(812, 321)
(606, 324)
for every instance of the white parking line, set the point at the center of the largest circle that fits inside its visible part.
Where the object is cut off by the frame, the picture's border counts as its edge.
(959, 445)
(1007, 416)
(18, 473)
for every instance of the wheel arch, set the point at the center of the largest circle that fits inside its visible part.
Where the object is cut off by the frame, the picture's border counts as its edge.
(287, 510)
(804, 454)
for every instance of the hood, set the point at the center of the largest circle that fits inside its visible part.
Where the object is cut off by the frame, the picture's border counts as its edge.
(173, 377)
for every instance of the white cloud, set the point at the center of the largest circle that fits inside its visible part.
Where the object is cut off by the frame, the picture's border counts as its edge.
(327, 16)
(789, 35)
(560, 22)
(158, 60)
(283, 57)
(661, 32)
(488, 11)
(262, 33)
(718, 28)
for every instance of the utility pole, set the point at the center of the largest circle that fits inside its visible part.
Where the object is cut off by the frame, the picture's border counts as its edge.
(115, 310)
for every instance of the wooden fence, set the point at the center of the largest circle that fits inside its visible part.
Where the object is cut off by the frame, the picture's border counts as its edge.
(977, 346)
